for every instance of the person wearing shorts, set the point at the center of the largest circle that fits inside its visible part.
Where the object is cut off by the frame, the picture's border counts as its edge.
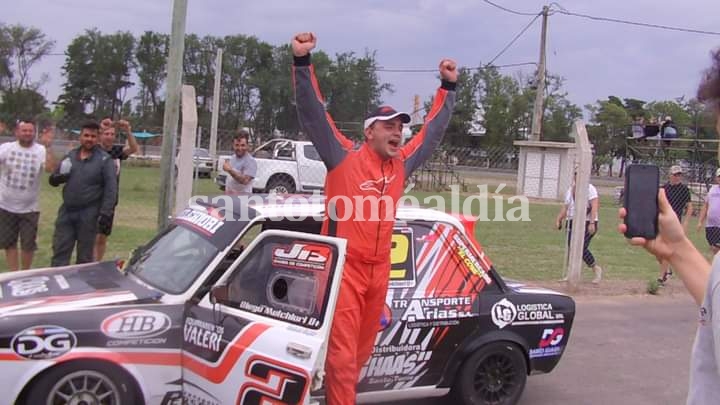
(710, 215)
(21, 164)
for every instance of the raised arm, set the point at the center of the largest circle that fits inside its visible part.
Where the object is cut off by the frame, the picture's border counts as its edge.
(314, 120)
(131, 146)
(422, 146)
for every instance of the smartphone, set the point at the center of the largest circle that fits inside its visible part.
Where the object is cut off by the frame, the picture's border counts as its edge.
(640, 200)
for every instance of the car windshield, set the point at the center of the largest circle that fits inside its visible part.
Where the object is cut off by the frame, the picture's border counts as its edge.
(202, 153)
(173, 259)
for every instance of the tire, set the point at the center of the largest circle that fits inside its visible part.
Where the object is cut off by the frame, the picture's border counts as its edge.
(494, 375)
(281, 185)
(92, 384)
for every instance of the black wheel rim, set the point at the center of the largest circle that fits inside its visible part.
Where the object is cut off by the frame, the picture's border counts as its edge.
(496, 379)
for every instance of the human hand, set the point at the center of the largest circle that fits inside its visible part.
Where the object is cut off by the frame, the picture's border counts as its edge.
(303, 43)
(65, 166)
(226, 166)
(592, 228)
(558, 224)
(448, 70)
(47, 136)
(104, 221)
(124, 125)
(670, 237)
(106, 123)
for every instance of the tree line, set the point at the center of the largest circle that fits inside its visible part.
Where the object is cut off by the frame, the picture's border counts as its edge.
(123, 75)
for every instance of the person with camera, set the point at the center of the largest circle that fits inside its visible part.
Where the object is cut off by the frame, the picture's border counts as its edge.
(701, 279)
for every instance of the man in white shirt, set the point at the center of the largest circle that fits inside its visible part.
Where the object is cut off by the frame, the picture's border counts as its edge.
(241, 167)
(21, 164)
(568, 212)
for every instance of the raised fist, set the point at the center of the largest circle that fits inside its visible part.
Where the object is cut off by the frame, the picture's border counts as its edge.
(106, 123)
(303, 43)
(124, 125)
(448, 70)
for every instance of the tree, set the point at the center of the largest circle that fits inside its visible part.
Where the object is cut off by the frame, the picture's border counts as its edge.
(22, 47)
(151, 55)
(22, 103)
(559, 114)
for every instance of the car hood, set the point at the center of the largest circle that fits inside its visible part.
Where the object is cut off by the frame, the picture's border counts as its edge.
(71, 287)
(523, 288)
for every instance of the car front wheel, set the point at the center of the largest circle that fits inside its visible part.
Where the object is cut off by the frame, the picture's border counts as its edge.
(82, 383)
(494, 375)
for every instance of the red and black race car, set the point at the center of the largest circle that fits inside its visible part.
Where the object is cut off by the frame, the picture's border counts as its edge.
(234, 306)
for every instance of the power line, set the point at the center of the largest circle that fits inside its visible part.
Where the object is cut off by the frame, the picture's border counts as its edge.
(420, 70)
(641, 24)
(506, 9)
(519, 34)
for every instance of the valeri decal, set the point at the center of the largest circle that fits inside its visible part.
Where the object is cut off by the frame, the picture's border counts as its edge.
(136, 327)
(43, 342)
(506, 313)
(204, 335)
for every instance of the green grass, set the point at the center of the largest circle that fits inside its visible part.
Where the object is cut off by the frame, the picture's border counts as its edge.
(529, 251)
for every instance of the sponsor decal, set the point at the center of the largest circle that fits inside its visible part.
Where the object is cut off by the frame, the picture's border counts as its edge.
(302, 256)
(405, 364)
(190, 394)
(262, 309)
(43, 342)
(200, 220)
(437, 311)
(506, 313)
(204, 335)
(467, 257)
(24, 287)
(402, 259)
(394, 349)
(136, 327)
(379, 186)
(549, 344)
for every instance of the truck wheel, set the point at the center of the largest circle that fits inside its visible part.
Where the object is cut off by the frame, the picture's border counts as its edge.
(281, 185)
(495, 374)
(82, 383)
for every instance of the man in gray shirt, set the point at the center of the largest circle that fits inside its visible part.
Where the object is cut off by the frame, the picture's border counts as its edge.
(700, 278)
(241, 168)
(89, 196)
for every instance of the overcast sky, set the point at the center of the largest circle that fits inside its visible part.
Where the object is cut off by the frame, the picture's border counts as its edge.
(597, 59)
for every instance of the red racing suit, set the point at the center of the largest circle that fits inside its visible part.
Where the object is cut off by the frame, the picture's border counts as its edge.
(364, 190)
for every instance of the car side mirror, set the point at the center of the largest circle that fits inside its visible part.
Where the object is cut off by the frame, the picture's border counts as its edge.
(219, 293)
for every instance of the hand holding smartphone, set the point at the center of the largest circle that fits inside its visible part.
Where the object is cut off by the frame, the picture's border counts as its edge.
(642, 182)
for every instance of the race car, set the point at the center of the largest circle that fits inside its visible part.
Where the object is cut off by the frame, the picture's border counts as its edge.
(232, 304)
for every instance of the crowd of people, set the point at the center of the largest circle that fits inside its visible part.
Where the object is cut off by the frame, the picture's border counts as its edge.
(90, 174)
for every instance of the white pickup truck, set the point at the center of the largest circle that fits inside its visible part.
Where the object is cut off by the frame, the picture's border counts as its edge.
(283, 166)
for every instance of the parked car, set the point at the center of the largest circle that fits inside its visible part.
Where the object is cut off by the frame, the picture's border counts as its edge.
(283, 166)
(219, 310)
(203, 164)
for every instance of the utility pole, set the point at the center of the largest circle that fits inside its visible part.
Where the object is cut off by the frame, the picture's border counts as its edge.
(216, 105)
(540, 81)
(172, 112)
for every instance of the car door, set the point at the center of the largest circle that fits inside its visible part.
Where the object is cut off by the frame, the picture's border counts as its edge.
(311, 169)
(260, 335)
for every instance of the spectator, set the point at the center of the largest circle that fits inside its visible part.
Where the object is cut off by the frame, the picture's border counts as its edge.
(679, 196)
(668, 128)
(652, 129)
(117, 153)
(567, 212)
(89, 197)
(710, 215)
(241, 167)
(638, 128)
(21, 164)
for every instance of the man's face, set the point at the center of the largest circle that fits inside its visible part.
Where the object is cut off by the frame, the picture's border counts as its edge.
(107, 138)
(675, 178)
(240, 146)
(385, 137)
(25, 133)
(88, 138)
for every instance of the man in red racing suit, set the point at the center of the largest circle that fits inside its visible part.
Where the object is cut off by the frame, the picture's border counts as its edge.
(363, 186)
